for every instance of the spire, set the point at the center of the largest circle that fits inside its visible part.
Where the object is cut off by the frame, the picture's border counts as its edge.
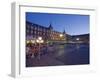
(64, 32)
(50, 26)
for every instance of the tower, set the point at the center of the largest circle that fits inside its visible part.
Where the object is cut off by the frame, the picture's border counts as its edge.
(50, 27)
(64, 32)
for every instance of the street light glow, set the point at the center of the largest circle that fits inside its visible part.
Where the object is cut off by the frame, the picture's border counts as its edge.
(42, 41)
(33, 41)
(27, 41)
(37, 41)
(61, 35)
(40, 38)
(77, 39)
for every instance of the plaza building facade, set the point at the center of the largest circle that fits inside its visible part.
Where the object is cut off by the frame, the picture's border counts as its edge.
(48, 34)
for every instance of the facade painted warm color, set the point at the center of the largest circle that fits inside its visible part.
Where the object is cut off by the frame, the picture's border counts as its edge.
(48, 34)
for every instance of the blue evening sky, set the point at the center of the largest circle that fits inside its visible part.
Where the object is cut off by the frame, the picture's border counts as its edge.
(72, 23)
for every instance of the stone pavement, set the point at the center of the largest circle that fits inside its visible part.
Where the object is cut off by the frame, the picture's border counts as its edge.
(61, 55)
(45, 60)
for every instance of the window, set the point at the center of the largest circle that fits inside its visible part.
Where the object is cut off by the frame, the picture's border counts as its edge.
(31, 31)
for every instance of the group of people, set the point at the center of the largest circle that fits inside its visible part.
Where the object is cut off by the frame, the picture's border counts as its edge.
(33, 50)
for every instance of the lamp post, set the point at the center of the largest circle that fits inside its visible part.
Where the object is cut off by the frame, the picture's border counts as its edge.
(33, 42)
(39, 40)
(61, 37)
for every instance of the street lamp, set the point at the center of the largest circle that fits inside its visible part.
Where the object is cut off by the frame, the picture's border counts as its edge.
(27, 41)
(39, 40)
(77, 43)
(33, 41)
(61, 35)
(77, 39)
